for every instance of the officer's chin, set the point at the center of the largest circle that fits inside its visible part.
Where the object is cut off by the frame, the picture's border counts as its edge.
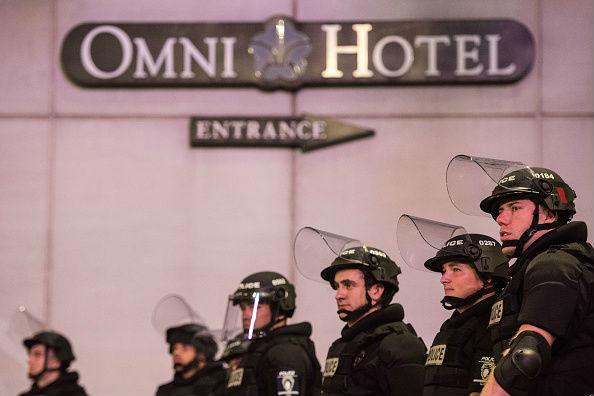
(178, 366)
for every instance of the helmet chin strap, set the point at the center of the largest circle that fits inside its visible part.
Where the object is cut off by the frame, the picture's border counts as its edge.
(46, 369)
(526, 235)
(451, 302)
(355, 314)
(183, 369)
(263, 331)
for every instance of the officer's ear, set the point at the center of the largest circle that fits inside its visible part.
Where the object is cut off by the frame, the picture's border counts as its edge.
(52, 360)
(375, 292)
(487, 282)
(546, 215)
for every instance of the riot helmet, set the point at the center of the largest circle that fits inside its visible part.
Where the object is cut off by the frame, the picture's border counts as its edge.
(235, 348)
(374, 263)
(543, 187)
(55, 342)
(540, 184)
(501, 181)
(193, 334)
(419, 238)
(315, 249)
(264, 287)
(173, 316)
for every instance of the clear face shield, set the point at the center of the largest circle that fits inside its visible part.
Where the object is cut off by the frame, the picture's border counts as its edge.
(173, 310)
(420, 239)
(315, 250)
(469, 180)
(250, 312)
(319, 255)
(21, 324)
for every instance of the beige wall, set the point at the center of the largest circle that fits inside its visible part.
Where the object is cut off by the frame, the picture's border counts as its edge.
(104, 208)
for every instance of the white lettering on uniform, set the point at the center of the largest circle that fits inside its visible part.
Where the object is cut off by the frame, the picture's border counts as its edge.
(506, 179)
(436, 355)
(487, 364)
(279, 281)
(330, 368)
(377, 253)
(235, 378)
(543, 175)
(288, 381)
(249, 285)
(486, 243)
(496, 312)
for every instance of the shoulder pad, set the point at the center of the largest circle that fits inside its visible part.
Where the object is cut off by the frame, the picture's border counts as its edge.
(402, 347)
(394, 327)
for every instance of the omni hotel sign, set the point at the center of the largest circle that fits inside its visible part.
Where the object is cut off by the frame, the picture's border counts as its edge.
(285, 54)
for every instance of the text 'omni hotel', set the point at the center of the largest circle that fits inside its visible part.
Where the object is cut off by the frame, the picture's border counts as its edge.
(285, 54)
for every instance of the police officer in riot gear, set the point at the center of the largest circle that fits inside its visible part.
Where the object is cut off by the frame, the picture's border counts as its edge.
(544, 320)
(234, 351)
(280, 358)
(192, 350)
(50, 355)
(473, 270)
(377, 353)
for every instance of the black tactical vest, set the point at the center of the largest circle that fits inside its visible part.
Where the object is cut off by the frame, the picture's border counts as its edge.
(503, 323)
(357, 358)
(447, 369)
(244, 379)
(210, 380)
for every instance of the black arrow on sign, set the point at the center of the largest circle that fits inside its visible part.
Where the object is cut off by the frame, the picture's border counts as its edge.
(337, 132)
(307, 132)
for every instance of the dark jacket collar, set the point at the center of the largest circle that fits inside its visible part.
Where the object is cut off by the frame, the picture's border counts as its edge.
(205, 371)
(575, 231)
(68, 382)
(480, 308)
(302, 329)
(392, 313)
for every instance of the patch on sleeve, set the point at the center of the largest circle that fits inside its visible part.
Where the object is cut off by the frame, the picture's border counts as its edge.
(496, 313)
(287, 383)
(436, 355)
(487, 364)
(330, 368)
(235, 378)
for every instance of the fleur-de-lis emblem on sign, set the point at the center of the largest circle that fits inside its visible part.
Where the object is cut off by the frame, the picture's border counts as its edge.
(280, 52)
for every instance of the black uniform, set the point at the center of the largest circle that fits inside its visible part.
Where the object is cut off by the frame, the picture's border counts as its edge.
(378, 355)
(552, 287)
(461, 356)
(65, 385)
(282, 363)
(208, 381)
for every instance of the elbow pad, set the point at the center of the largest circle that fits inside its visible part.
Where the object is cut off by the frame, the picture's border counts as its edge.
(529, 354)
